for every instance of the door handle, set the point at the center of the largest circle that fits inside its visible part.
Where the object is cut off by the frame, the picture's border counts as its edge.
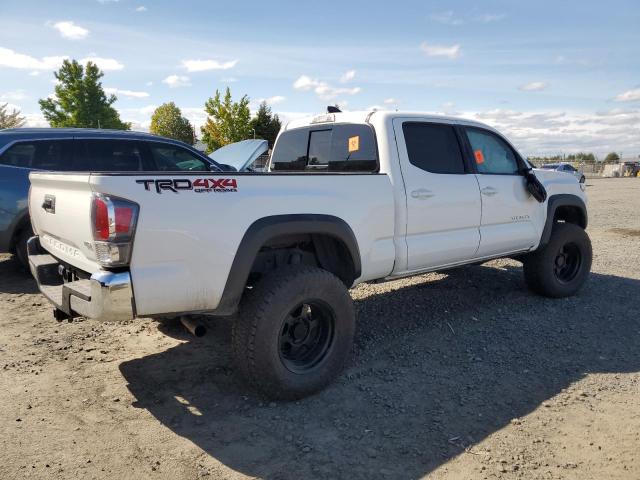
(488, 191)
(49, 203)
(422, 194)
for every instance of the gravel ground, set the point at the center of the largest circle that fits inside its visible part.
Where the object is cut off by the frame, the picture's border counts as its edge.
(458, 375)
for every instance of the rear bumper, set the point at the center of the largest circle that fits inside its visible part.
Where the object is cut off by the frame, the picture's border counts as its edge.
(105, 296)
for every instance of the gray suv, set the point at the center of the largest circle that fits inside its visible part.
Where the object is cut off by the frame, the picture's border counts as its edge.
(75, 150)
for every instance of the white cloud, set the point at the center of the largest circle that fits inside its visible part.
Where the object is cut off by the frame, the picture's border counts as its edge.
(628, 96)
(391, 101)
(229, 80)
(15, 95)
(447, 18)
(70, 30)
(149, 84)
(553, 132)
(12, 59)
(276, 99)
(490, 17)
(141, 8)
(323, 90)
(126, 93)
(205, 65)
(347, 76)
(106, 64)
(534, 87)
(449, 51)
(176, 81)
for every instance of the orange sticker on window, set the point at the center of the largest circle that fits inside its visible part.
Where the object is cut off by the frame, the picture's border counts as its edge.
(354, 144)
(479, 156)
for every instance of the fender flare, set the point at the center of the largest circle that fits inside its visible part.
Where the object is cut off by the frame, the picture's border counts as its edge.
(267, 228)
(562, 200)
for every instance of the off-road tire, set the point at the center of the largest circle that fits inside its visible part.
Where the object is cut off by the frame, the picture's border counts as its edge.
(21, 247)
(540, 267)
(258, 328)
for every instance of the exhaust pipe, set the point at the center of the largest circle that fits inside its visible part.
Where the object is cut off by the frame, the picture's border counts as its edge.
(193, 326)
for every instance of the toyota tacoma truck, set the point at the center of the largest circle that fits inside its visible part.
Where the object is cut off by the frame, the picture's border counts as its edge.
(349, 198)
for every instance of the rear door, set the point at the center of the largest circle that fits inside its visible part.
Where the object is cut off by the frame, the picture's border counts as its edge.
(508, 210)
(443, 200)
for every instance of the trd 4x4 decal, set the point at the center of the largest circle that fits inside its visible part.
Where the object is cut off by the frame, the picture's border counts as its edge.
(200, 185)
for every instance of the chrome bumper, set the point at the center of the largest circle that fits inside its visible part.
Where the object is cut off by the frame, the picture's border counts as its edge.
(105, 296)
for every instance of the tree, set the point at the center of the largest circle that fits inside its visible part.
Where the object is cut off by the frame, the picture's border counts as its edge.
(265, 124)
(612, 157)
(80, 100)
(10, 120)
(167, 120)
(227, 121)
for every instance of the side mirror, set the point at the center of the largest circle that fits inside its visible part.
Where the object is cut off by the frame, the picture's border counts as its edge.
(534, 186)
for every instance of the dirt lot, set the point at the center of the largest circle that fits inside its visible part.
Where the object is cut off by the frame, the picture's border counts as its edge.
(458, 375)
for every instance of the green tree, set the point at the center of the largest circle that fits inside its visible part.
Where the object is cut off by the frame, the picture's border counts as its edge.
(227, 121)
(167, 121)
(265, 124)
(10, 120)
(80, 100)
(612, 157)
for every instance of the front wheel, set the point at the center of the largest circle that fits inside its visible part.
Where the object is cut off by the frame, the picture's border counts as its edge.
(562, 266)
(294, 332)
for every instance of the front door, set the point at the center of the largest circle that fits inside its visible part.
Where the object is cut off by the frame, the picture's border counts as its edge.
(443, 199)
(509, 212)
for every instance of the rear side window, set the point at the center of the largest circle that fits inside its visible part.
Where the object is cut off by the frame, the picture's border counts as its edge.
(108, 156)
(433, 147)
(172, 158)
(329, 148)
(41, 155)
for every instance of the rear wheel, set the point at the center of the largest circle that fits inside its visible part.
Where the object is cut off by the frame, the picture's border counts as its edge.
(583, 179)
(561, 267)
(21, 246)
(294, 332)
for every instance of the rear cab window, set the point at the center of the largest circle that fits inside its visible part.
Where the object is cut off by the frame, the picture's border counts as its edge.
(326, 148)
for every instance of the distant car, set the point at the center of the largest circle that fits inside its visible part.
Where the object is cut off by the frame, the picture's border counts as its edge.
(566, 168)
(75, 149)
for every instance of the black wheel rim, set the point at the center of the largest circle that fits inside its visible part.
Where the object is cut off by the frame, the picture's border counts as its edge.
(306, 336)
(567, 263)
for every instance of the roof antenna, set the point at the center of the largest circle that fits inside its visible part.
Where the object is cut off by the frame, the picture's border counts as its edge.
(333, 109)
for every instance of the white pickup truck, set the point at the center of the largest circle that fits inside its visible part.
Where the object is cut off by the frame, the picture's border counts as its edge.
(349, 198)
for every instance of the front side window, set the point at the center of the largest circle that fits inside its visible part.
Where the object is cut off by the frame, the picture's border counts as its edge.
(433, 147)
(40, 155)
(172, 158)
(491, 154)
(330, 148)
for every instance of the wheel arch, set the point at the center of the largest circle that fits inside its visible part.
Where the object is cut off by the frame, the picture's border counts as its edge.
(325, 231)
(564, 208)
(20, 222)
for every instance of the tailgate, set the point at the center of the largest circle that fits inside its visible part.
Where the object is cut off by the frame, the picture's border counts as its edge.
(60, 208)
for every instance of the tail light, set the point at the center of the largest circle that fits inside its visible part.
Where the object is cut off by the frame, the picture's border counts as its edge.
(114, 223)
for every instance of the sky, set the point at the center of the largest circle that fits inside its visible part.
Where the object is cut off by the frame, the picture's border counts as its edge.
(555, 76)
